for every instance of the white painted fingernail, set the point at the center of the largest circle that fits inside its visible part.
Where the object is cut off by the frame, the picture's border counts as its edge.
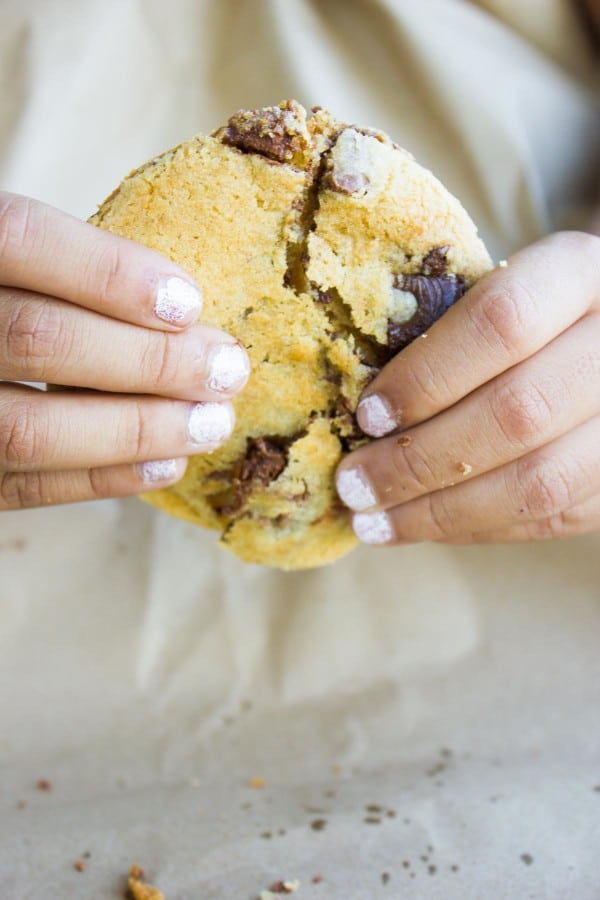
(355, 489)
(375, 417)
(210, 424)
(177, 301)
(373, 528)
(229, 367)
(156, 470)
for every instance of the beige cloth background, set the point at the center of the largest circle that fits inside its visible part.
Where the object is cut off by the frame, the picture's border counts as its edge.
(147, 674)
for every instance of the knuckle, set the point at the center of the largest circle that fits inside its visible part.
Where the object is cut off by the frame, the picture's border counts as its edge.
(522, 411)
(430, 381)
(543, 487)
(17, 223)
(22, 440)
(22, 490)
(138, 438)
(506, 315)
(442, 522)
(549, 529)
(160, 362)
(107, 270)
(99, 484)
(412, 462)
(33, 335)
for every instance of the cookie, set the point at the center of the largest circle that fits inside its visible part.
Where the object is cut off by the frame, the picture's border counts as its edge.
(325, 249)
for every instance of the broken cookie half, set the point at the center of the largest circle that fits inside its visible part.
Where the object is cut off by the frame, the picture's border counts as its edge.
(325, 249)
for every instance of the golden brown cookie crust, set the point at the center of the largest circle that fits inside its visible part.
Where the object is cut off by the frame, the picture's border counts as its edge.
(317, 245)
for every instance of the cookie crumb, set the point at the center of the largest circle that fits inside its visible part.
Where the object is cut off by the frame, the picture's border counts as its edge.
(21, 804)
(464, 468)
(454, 868)
(385, 877)
(373, 808)
(289, 886)
(405, 440)
(372, 820)
(432, 869)
(527, 858)
(257, 782)
(267, 835)
(318, 824)
(391, 813)
(316, 879)
(137, 889)
(42, 784)
(79, 865)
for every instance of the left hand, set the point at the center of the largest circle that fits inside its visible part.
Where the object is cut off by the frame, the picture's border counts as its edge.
(491, 421)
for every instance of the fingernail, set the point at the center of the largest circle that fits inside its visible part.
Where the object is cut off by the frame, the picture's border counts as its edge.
(229, 367)
(355, 489)
(156, 470)
(372, 528)
(177, 301)
(210, 424)
(375, 417)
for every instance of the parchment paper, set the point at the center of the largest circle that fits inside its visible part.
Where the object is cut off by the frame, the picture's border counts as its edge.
(425, 719)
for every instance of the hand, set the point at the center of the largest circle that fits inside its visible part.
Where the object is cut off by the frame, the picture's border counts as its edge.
(84, 308)
(493, 418)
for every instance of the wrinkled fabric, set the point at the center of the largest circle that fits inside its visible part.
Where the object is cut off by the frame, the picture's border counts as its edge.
(149, 675)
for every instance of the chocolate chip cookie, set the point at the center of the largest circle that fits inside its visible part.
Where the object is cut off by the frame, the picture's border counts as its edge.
(325, 249)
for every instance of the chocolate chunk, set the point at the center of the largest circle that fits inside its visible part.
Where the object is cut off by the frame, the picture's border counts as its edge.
(277, 132)
(434, 295)
(436, 262)
(352, 164)
(265, 460)
(323, 296)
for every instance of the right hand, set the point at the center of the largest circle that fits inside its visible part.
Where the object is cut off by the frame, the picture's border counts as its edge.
(83, 308)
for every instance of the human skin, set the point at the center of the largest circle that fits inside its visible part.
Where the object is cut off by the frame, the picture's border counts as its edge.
(502, 450)
(488, 431)
(81, 307)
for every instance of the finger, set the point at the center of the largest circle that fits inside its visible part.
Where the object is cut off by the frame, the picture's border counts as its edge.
(43, 249)
(23, 490)
(82, 430)
(537, 486)
(50, 340)
(584, 518)
(527, 407)
(510, 314)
